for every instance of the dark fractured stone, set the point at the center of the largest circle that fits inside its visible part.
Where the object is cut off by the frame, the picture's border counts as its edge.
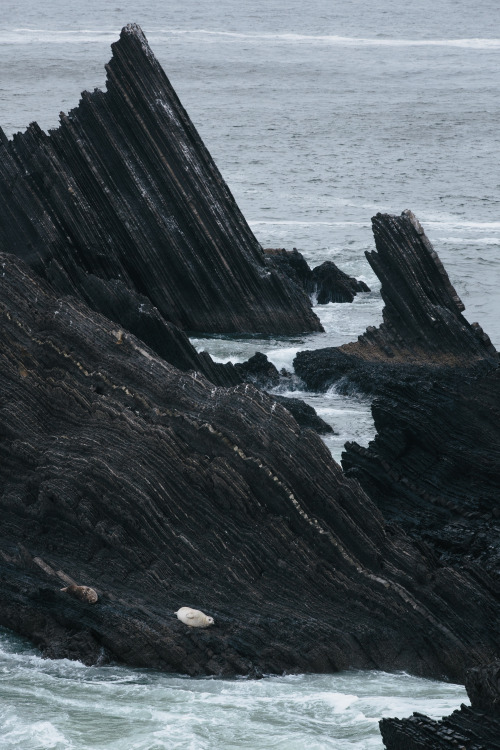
(158, 490)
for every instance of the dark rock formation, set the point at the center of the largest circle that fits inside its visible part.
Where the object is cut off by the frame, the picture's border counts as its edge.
(330, 284)
(159, 490)
(259, 371)
(134, 312)
(423, 326)
(125, 190)
(326, 281)
(434, 465)
(474, 728)
(304, 414)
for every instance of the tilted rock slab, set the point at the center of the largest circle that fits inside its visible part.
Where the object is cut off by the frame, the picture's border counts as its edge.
(434, 465)
(125, 190)
(159, 490)
(423, 325)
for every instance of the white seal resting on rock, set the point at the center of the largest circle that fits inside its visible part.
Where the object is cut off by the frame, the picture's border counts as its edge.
(194, 618)
(83, 593)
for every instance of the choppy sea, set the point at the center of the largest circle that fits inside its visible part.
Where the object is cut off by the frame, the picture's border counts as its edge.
(319, 115)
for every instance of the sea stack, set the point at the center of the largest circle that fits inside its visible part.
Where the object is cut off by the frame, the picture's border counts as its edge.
(160, 488)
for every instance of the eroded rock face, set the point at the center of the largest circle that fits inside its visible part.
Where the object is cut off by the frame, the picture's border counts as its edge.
(159, 490)
(474, 728)
(125, 190)
(434, 465)
(423, 329)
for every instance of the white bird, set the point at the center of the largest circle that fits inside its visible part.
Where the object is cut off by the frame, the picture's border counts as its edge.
(193, 618)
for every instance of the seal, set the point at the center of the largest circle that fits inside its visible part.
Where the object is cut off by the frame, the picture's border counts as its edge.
(193, 618)
(82, 593)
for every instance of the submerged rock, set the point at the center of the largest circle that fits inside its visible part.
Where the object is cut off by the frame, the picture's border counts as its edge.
(470, 728)
(162, 489)
(259, 371)
(126, 191)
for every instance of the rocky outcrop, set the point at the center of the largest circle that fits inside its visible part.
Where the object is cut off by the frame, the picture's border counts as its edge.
(304, 414)
(423, 328)
(434, 465)
(259, 371)
(125, 191)
(471, 728)
(158, 490)
(327, 282)
(134, 312)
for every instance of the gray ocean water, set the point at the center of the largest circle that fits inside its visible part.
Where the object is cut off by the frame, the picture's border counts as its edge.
(318, 115)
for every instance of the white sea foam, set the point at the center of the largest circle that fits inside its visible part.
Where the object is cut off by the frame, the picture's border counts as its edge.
(470, 240)
(67, 36)
(118, 707)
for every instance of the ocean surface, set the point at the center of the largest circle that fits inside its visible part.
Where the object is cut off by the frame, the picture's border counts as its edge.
(48, 704)
(318, 115)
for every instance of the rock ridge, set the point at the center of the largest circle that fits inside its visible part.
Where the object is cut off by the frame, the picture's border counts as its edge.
(126, 191)
(434, 465)
(159, 490)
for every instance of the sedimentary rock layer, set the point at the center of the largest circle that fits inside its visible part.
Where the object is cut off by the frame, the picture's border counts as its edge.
(125, 190)
(471, 728)
(159, 490)
(423, 326)
(434, 465)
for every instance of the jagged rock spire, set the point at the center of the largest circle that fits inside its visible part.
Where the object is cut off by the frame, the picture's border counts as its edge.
(125, 190)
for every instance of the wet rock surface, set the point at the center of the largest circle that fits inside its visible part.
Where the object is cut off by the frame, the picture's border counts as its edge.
(125, 190)
(159, 490)
(304, 414)
(434, 465)
(423, 327)
(471, 728)
(327, 282)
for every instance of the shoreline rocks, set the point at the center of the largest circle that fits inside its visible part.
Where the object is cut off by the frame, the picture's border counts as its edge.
(470, 728)
(326, 281)
(157, 487)
(434, 465)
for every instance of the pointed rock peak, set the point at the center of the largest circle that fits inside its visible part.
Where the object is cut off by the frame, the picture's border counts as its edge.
(132, 34)
(126, 190)
(404, 236)
(423, 312)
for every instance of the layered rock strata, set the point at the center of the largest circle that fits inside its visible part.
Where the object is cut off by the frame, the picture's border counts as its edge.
(434, 465)
(423, 328)
(159, 490)
(471, 728)
(125, 191)
(326, 281)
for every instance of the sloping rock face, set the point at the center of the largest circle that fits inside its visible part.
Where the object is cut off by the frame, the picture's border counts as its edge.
(474, 728)
(159, 490)
(125, 190)
(434, 465)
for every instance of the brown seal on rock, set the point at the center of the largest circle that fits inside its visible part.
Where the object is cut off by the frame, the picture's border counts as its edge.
(82, 593)
(193, 618)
